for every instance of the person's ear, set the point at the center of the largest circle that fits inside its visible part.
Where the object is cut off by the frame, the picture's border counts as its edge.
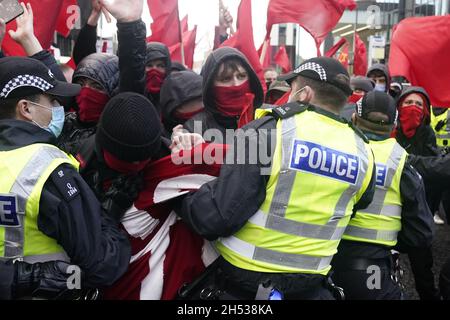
(306, 95)
(23, 110)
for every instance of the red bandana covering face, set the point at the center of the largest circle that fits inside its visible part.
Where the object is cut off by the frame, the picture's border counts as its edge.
(91, 103)
(154, 80)
(123, 166)
(230, 101)
(355, 97)
(410, 119)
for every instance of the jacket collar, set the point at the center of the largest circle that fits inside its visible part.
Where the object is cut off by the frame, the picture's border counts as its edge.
(17, 133)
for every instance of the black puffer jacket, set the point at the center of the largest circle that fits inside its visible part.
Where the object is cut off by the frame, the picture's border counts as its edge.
(177, 89)
(211, 118)
(423, 143)
(104, 69)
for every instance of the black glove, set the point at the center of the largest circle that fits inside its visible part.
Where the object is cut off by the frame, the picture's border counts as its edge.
(47, 280)
(121, 195)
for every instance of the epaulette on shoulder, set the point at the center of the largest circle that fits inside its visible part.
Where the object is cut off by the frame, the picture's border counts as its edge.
(288, 110)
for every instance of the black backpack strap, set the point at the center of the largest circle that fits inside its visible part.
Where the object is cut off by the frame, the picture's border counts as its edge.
(288, 110)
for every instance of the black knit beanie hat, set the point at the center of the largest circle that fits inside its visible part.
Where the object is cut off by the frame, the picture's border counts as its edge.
(129, 128)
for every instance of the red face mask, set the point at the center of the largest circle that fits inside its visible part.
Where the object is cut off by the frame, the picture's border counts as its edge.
(410, 119)
(91, 104)
(123, 166)
(230, 101)
(154, 80)
(354, 98)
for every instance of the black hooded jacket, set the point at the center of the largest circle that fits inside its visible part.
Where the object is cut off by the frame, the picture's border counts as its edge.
(423, 143)
(178, 88)
(211, 118)
(383, 68)
(88, 235)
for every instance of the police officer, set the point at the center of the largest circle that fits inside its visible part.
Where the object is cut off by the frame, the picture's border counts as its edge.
(439, 121)
(47, 212)
(363, 266)
(278, 223)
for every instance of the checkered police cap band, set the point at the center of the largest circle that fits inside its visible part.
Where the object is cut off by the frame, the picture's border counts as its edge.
(317, 68)
(25, 80)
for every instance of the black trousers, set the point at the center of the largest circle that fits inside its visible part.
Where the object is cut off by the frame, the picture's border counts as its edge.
(421, 260)
(444, 280)
(366, 279)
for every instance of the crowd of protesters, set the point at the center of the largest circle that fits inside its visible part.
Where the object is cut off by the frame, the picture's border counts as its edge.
(89, 177)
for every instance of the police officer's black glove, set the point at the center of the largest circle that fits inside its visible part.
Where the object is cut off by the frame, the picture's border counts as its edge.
(122, 194)
(46, 280)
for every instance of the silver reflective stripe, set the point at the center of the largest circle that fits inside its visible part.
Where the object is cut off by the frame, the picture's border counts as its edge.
(382, 235)
(349, 193)
(447, 129)
(286, 178)
(22, 187)
(376, 207)
(279, 258)
(292, 227)
(443, 136)
(62, 256)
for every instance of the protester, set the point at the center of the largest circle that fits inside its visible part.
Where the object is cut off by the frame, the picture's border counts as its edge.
(379, 74)
(360, 86)
(181, 98)
(276, 90)
(231, 92)
(398, 215)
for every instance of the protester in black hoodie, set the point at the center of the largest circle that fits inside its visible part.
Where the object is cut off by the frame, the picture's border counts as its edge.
(379, 73)
(157, 67)
(228, 83)
(181, 98)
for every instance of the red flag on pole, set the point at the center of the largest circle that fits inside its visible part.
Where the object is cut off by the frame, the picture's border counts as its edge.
(189, 48)
(281, 58)
(45, 21)
(68, 16)
(419, 52)
(318, 17)
(242, 39)
(360, 59)
(266, 62)
(166, 23)
(343, 56)
(330, 53)
(184, 24)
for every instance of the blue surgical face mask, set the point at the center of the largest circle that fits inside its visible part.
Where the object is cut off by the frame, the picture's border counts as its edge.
(380, 87)
(57, 123)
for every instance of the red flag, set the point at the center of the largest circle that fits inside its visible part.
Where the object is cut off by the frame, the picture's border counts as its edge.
(282, 59)
(266, 62)
(330, 53)
(419, 52)
(45, 21)
(68, 16)
(189, 48)
(318, 17)
(242, 39)
(184, 24)
(343, 56)
(360, 60)
(166, 23)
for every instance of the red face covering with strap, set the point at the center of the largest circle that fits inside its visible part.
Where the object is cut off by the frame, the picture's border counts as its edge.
(410, 119)
(354, 98)
(154, 80)
(91, 103)
(123, 166)
(230, 101)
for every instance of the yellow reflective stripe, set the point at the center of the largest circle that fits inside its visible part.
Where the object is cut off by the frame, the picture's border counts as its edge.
(298, 261)
(371, 234)
(62, 256)
(23, 187)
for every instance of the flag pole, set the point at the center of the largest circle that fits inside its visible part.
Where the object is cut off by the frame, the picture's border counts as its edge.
(264, 51)
(354, 40)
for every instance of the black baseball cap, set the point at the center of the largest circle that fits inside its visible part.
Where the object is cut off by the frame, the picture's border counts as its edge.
(23, 77)
(377, 101)
(320, 69)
